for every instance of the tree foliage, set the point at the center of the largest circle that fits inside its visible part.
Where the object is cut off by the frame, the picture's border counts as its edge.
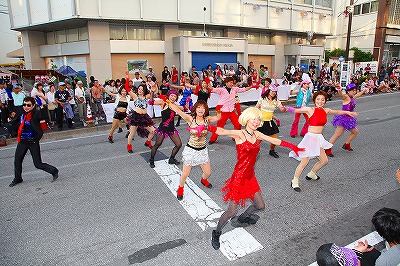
(359, 56)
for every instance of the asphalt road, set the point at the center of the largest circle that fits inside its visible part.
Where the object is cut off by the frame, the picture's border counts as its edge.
(109, 206)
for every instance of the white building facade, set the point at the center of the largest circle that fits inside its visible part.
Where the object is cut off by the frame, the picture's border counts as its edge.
(375, 28)
(101, 36)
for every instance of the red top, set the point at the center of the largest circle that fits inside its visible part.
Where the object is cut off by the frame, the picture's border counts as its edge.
(318, 118)
(243, 183)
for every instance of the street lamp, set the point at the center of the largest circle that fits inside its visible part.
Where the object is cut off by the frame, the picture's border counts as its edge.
(204, 24)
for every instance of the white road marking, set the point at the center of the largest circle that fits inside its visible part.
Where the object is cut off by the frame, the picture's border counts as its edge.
(373, 239)
(205, 212)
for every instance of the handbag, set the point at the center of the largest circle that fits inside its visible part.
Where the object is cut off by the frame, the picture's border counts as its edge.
(51, 106)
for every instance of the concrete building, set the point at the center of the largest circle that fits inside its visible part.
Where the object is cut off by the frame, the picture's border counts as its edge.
(102, 36)
(375, 28)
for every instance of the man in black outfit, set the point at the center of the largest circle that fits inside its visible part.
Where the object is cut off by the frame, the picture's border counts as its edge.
(29, 135)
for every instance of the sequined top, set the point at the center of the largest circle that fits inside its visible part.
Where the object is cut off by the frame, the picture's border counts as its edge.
(140, 103)
(198, 135)
(350, 106)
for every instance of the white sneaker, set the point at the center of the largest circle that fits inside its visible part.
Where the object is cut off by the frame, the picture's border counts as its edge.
(84, 124)
(96, 123)
(101, 118)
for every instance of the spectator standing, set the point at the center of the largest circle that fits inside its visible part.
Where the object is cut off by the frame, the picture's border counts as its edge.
(136, 81)
(250, 67)
(62, 98)
(3, 102)
(166, 75)
(195, 79)
(80, 100)
(52, 104)
(96, 92)
(150, 73)
(367, 70)
(191, 72)
(72, 93)
(18, 97)
(174, 75)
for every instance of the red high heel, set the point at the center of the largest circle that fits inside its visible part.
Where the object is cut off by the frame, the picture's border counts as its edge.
(347, 146)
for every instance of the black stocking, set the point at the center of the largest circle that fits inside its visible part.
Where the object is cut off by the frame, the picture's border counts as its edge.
(229, 213)
(178, 144)
(258, 205)
(159, 141)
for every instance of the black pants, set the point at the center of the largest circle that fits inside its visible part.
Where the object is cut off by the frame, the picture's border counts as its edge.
(59, 118)
(20, 153)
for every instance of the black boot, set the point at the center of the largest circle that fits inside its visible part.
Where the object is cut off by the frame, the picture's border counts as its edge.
(215, 239)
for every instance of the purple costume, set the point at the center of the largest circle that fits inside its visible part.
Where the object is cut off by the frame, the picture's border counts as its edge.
(346, 121)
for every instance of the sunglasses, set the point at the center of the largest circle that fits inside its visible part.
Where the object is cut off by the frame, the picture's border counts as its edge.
(27, 104)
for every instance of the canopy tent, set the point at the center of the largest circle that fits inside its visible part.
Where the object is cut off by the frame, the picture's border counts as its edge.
(67, 71)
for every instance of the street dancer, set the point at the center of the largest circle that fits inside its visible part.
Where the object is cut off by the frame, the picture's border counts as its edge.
(196, 151)
(302, 100)
(227, 101)
(345, 122)
(166, 128)
(139, 120)
(313, 142)
(268, 103)
(186, 101)
(29, 135)
(243, 185)
(121, 107)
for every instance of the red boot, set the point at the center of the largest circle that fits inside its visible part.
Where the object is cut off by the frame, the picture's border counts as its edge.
(329, 152)
(129, 147)
(148, 144)
(347, 146)
(110, 139)
(179, 193)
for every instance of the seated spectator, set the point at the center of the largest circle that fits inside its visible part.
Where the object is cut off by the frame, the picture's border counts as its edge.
(319, 85)
(334, 255)
(371, 85)
(384, 86)
(329, 88)
(387, 223)
(394, 83)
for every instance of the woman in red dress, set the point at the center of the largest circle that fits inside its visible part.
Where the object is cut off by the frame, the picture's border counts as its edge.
(243, 184)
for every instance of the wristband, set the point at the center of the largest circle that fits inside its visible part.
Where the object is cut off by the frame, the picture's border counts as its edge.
(290, 109)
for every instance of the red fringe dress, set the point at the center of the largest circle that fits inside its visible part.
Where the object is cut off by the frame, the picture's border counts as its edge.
(243, 183)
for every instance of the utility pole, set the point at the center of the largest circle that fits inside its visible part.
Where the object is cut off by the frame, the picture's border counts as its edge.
(349, 30)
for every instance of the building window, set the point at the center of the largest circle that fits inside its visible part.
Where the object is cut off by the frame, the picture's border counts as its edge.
(357, 10)
(130, 32)
(61, 37)
(394, 13)
(69, 35)
(72, 35)
(50, 39)
(366, 8)
(200, 32)
(374, 6)
(256, 37)
(307, 2)
(118, 32)
(83, 34)
(324, 3)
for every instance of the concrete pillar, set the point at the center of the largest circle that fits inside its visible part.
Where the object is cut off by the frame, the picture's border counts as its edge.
(171, 58)
(279, 39)
(31, 40)
(100, 50)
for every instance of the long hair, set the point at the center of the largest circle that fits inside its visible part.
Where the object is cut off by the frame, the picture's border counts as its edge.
(197, 104)
(266, 93)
